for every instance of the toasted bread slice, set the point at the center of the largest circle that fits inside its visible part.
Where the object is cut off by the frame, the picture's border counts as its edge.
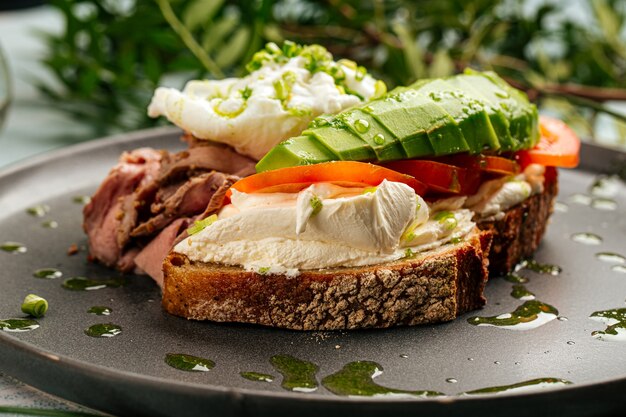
(517, 235)
(431, 287)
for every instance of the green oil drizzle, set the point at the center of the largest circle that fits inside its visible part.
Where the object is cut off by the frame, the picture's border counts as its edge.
(519, 386)
(615, 319)
(578, 198)
(619, 268)
(527, 313)
(18, 325)
(540, 268)
(103, 330)
(298, 375)
(357, 379)
(13, 247)
(81, 199)
(39, 210)
(257, 376)
(610, 257)
(86, 284)
(586, 238)
(48, 273)
(516, 278)
(605, 186)
(604, 204)
(50, 224)
(521, 293)
(561, 207)
(188, 363)
(100, 310)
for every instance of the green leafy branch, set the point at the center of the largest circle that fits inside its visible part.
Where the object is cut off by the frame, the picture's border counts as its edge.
(108, 61)
(188, 39)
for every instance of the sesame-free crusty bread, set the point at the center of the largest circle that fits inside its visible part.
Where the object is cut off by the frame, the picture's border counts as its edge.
(517, 235)
(427, 288)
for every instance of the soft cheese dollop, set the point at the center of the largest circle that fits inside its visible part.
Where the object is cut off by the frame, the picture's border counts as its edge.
(324, 226)
(285, 91)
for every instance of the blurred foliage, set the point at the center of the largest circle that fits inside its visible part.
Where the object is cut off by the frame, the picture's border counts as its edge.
(112, 54)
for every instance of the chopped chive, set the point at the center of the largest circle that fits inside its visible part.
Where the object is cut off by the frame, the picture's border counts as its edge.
(281, 89)
(200, 225)
(246, 93)
(360, 73)
(316, 204)
(447, 219)
(34, 305)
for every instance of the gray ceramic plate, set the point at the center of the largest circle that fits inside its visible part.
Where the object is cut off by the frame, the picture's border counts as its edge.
(127, 374)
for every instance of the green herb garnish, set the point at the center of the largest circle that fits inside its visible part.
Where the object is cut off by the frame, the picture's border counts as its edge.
(316, 204)
(35, 305)
(300, 111)
(447, 219)
(281, 90)
(264, 270)
(228, 114)
(408, 253)
(200, 225)
(246, 92)
(39, 210)
(316, 59)
(361, 72)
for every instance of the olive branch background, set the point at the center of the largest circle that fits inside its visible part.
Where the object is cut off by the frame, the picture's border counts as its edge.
(112, 54)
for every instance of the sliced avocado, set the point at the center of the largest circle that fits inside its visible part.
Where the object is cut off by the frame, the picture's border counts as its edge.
(532, 129)
(471, 117)
(414, 142)
(300, 150)
(463, 113)
(340, 140)
(515, 112)
(409, 115)
(385, 145)
(498, 119)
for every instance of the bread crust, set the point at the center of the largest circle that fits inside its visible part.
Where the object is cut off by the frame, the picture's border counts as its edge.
(517, 235)
(433, 287)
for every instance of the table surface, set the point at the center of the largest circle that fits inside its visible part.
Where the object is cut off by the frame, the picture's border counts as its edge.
(34, 126)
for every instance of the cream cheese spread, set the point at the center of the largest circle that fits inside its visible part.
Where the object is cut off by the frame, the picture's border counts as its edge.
(328, 226)
(274, 102)
(494, 197)
(324, 226)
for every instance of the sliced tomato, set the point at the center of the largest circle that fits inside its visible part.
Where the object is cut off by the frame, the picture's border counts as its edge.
(338, 172)
(485, 163)
(559, 146)
(294, 187)
(439, 177)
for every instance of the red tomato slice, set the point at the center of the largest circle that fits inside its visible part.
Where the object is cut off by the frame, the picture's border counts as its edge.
(294, 187)
(559, 146)
(339, 172)
(440, 177)
(485, 163)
